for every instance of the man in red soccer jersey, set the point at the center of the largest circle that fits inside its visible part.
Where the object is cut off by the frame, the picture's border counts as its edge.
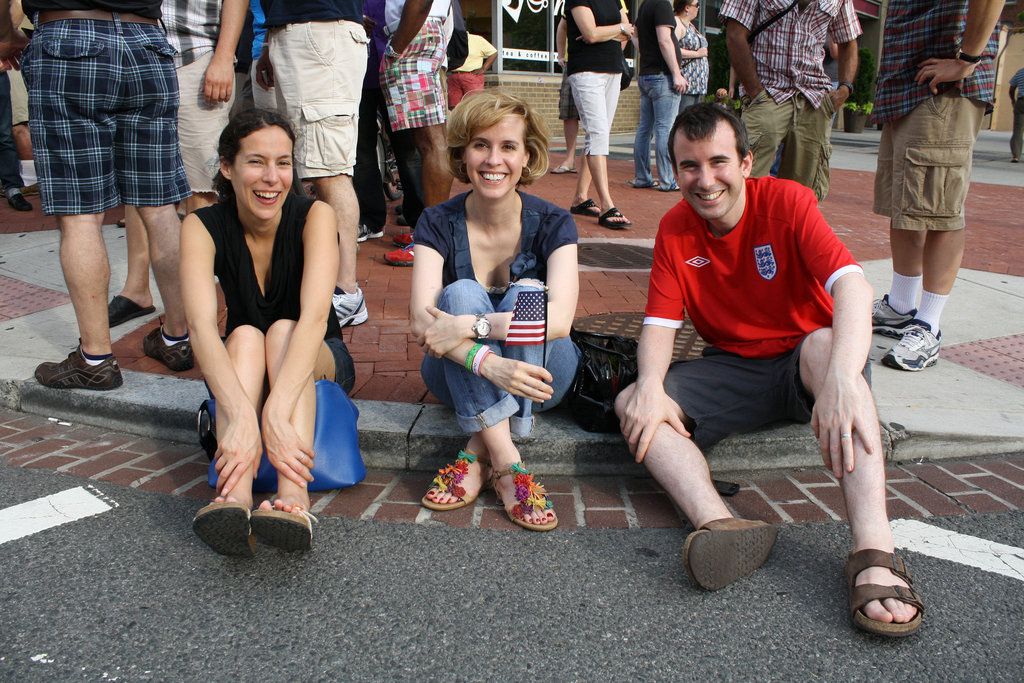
(786, 312)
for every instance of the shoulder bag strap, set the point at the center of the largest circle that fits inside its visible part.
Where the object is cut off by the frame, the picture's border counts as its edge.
(762, 27)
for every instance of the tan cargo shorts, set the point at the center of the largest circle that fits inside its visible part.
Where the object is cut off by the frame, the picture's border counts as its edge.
(924, 163)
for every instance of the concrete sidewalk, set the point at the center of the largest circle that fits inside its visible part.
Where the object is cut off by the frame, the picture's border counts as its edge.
(971, 403)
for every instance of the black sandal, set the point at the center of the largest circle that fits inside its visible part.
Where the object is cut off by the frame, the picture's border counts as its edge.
(586, 208)
(605, 220)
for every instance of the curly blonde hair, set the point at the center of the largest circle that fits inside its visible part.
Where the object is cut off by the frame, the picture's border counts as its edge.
(485, 109)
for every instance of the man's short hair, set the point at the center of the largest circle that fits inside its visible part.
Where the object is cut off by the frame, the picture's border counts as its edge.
(700, 121)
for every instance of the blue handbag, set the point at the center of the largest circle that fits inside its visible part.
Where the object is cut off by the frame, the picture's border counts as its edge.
(338, 462)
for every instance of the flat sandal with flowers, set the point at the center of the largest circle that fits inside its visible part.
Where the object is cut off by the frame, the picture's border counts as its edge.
(449, 480)
(531, 497)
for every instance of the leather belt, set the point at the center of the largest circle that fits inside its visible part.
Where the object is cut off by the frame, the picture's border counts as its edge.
(98, 15)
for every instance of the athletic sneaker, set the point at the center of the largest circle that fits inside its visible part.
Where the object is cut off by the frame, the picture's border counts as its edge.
(400, 257)
(916, 350)
(368, 233)
(403, 240)
(885, 320)
(350, 308)
(75, 373)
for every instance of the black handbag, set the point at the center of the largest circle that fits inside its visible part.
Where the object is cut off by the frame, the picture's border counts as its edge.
(627, 74)
(608, 366)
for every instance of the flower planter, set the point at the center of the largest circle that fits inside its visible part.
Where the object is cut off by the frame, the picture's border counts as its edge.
(853, 121)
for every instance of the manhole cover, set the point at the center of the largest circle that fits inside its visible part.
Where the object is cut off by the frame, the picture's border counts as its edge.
(612, 256)
(688, 343)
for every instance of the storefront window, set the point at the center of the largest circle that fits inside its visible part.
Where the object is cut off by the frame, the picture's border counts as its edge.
(527, 33)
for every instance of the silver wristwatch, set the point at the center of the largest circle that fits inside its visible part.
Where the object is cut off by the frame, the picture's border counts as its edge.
(482, 326)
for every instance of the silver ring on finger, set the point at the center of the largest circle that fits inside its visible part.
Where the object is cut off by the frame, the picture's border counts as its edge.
(845, 435)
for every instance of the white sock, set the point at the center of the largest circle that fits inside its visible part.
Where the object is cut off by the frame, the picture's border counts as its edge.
(903, 292)
(172, 341)
(931, 309)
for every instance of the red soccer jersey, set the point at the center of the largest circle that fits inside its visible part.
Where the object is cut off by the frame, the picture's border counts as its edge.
(760, 289)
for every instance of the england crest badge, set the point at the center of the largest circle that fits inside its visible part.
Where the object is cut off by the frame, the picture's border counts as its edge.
(764, 258)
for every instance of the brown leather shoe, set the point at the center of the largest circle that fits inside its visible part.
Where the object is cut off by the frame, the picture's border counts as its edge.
(725, 550)
(75, 373)
(177, 357)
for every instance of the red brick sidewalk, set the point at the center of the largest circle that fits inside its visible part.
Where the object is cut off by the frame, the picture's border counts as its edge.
(914, 491)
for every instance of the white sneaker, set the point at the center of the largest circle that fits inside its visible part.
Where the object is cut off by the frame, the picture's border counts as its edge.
(916, 350)
(350, 308)
(885, 320)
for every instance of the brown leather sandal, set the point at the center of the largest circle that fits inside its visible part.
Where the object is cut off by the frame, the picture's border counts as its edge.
(861, 595)
(724, 550)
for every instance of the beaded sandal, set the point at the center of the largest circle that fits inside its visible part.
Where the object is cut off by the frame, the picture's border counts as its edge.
(532, 497)
(449, 480)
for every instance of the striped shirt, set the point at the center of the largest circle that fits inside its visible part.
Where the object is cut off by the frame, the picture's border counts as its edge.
(788, 55)
(914, 31)
(192, 27)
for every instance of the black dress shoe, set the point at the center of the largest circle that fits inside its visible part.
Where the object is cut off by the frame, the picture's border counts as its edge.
(19, 203)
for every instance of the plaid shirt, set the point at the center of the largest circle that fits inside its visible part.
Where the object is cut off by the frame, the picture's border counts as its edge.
(914, 31)
(192, 27)
(789, 54)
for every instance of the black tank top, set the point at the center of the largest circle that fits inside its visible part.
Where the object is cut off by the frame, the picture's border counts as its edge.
(233, 266)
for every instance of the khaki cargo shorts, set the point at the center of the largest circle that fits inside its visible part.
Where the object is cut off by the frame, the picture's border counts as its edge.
(318, 76)
(924, 163)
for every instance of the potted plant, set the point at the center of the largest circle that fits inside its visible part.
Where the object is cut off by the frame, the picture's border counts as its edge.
(858, 106)
(855, 116)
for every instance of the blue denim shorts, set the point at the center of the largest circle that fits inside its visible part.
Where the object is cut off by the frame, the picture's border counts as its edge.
(103, 107)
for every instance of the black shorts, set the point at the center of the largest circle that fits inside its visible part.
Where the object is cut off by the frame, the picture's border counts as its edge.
(724, 394)
(566, 103)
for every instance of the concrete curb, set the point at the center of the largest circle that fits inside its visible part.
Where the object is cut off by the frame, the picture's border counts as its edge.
(423, 437)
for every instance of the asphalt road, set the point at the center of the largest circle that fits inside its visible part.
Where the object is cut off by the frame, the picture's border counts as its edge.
(131, 594)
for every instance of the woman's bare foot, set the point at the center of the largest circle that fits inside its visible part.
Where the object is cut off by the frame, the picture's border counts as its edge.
(476, 475)
(505, 486)
(232, 498)
(286, 503)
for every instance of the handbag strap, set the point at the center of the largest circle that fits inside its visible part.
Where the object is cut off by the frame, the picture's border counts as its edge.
(757, 31)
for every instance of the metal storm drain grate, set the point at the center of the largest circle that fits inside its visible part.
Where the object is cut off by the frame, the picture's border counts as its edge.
(610, 256)
(688, 343)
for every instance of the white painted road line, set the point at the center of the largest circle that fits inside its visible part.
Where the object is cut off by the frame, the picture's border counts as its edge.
(40, 514)
(997, 558)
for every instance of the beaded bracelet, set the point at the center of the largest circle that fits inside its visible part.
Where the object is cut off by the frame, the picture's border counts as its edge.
(471, 355)
(478, 360)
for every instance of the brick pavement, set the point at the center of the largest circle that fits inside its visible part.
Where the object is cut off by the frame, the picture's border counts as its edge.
(918, 490)
(388, 359)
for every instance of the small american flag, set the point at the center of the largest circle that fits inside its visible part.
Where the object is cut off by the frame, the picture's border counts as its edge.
(528, 325)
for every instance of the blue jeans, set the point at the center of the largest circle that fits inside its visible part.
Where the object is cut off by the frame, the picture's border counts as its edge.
(10, 166)
(659, 104)
(478, 404)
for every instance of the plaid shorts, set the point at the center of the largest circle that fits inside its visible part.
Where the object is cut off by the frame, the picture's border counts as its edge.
(566, 104)
(103, 104)
(412, 84)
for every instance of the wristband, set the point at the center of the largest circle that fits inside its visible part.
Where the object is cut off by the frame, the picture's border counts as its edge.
(471, 355)
(964, 57)
(847, 84)
(478, 360)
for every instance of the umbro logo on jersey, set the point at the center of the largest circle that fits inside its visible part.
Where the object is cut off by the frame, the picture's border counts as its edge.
(698, 261)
